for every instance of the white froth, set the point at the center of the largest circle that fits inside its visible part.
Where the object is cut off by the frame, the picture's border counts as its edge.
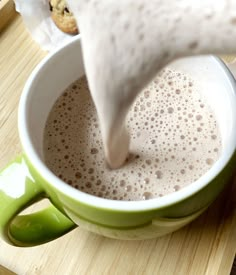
(174, 140)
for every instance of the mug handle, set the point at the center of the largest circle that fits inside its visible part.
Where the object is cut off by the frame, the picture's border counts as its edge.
(18, 190)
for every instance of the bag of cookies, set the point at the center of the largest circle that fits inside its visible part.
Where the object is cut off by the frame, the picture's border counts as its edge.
(50, 22)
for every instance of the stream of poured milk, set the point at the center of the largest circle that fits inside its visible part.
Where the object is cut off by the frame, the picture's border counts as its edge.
(125, 43)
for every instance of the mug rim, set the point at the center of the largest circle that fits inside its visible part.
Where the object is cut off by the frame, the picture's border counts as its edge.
(116, 205)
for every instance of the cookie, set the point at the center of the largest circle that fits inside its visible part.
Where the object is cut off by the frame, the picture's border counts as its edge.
(62, 16)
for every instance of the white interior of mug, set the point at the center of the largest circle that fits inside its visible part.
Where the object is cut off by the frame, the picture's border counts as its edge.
(59, 70)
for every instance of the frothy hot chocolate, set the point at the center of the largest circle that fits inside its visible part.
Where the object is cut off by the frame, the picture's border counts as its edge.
(174, 140)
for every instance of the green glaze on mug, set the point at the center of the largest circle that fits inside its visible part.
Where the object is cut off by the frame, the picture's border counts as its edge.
(27, 179)
(21, 186)
(144, 224)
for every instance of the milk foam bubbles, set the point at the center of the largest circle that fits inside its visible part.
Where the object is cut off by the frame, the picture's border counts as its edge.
(174, 140)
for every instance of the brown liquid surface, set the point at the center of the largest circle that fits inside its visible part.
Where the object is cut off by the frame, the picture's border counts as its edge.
(174, 141)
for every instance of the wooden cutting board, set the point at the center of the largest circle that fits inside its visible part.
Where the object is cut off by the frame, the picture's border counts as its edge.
(207, 246)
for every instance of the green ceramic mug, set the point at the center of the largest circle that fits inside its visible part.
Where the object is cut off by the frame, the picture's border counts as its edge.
(27, 179)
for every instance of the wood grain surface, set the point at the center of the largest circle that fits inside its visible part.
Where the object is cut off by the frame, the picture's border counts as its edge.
(206, 246)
